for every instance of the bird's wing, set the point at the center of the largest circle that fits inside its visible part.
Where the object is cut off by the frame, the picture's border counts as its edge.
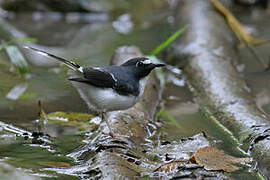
(96, 77)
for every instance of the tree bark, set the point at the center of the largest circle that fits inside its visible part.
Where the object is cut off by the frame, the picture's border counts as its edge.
(209, 49)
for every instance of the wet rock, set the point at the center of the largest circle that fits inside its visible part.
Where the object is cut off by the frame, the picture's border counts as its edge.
(181, 150)
(8, 172)
(6, 139)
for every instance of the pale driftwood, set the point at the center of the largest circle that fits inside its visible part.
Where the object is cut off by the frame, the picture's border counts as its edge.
(208, 48)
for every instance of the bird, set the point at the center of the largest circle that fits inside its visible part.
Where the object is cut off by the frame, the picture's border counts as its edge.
(109, 88)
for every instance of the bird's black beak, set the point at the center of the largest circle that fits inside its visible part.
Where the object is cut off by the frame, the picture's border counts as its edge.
(159, 65)
(152, 66)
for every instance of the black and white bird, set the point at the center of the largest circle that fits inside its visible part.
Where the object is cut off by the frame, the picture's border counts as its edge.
(109, 88)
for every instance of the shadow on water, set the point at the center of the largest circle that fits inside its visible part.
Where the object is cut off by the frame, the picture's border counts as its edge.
(93, 43)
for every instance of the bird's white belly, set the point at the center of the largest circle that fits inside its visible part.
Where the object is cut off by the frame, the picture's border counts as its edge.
(108, 100)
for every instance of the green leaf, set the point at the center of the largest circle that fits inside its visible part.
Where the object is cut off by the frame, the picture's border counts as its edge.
(169, 41)
(164, 114)
(15, 41)
(25, 40)
(80, 120)
(70, 116)
(17, 59)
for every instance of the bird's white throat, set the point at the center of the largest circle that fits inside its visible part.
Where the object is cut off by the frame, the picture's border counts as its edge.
(142, 83)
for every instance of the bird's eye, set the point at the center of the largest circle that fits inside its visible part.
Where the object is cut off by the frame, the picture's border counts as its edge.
(139, 64)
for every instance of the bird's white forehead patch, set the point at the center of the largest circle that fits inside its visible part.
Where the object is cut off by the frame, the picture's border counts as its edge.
(147, 61)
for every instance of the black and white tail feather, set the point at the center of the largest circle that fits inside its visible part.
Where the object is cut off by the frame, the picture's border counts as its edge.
(91, 75)
(72, 65)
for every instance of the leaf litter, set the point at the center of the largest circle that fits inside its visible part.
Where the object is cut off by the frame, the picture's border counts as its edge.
(213, 159)
(55, 164)
(80, 120)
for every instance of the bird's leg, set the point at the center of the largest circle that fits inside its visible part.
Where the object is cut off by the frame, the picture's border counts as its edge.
(104, 117)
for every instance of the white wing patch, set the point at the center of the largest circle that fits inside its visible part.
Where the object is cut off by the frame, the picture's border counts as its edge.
(113, 77)
(80, 69)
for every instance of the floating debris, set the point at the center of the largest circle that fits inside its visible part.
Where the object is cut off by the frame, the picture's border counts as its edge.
(16, 91)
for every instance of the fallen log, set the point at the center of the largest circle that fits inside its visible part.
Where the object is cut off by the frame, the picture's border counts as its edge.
(209, 50)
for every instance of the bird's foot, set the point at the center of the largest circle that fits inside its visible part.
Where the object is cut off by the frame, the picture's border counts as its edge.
(117, 136)
(111, 134)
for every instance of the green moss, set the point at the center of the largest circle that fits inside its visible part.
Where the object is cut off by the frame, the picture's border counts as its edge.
(71, 116)
(80, 120)
(27, 95)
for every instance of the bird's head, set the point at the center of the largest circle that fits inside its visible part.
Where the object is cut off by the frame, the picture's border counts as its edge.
(141, 66)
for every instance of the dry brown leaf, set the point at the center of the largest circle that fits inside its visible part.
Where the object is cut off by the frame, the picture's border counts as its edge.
(236, 26)
(213, 159)
(55, 164)
(171, 166)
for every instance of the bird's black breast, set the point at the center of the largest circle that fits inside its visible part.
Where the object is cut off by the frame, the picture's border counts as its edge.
(127, 88)
(125, 84)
